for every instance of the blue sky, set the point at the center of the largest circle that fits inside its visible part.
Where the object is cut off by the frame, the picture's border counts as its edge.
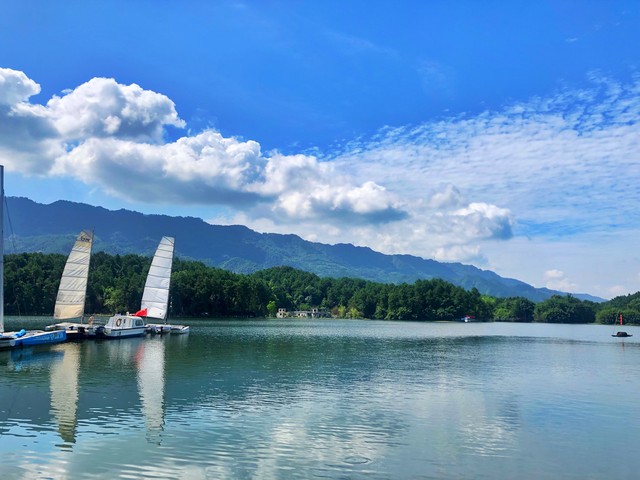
(499, 134)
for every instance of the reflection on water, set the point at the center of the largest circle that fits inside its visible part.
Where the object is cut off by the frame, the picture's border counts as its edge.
(336, 399)
(63, 384)
(151, 370)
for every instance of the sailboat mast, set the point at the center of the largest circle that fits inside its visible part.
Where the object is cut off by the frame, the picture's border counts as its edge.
(620, 319)
(86, 285)
(1, 249)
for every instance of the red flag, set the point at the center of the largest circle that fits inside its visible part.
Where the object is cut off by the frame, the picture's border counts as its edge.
(141, 313)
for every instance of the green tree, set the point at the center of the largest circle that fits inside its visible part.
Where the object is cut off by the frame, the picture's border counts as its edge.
(114, 300)
(272, 308)
(567, 309)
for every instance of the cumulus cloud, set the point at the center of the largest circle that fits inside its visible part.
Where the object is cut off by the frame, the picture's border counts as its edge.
(16, 87)
(203, 169)
(102, 108)
(29, 141)
(308, 189)
(113, 136)
(485, 221)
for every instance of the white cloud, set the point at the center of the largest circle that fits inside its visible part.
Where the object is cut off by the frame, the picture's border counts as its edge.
(557, 280)
(16, 87)
(617, 290)
(459, 253)
(557, 168)
(28, 139)
(484, 221)
(554, 274)
(104, 108)
(448, 197)
(538, 159)
(112, 135)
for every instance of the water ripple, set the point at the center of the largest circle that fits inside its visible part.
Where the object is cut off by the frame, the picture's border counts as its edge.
(330, 399)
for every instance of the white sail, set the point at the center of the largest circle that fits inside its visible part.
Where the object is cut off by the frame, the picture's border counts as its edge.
(73, 285)
(155, 298)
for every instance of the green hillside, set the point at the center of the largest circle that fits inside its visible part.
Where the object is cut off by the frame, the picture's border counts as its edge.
(52, 229)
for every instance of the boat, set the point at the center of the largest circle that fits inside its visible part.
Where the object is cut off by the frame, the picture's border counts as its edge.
(22, 337)
(468, 318)
(123, 326)
(73, 289)
(179, 329)
(39, 337)
(155, 298)
(621, 334)
(8, 340)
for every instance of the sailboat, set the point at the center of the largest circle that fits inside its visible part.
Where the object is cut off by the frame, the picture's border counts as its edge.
(155, 299)
(73, 289)
(22, 337)
(6, 341)
(621, 333)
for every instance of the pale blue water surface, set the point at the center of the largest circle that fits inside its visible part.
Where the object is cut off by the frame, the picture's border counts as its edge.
(345, 399)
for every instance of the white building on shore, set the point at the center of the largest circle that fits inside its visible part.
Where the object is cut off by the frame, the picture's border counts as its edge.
(313, 313)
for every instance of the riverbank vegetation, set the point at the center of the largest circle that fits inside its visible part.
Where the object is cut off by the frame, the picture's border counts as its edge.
(116, 283)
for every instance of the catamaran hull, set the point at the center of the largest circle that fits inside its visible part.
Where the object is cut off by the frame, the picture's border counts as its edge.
(179, 329)
(32, 338)
(163, 328)
(158, 329)
(7, 342)
(122, 332)
(75, 331)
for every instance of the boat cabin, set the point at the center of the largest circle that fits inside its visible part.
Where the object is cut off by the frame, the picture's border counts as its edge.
(124, 321)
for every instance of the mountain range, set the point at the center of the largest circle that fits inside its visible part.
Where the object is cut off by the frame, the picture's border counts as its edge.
(35, 227)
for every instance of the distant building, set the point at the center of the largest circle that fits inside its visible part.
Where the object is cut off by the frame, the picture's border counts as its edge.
(313, 313)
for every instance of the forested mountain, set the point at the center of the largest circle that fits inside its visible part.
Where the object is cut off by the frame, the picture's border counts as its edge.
(52, 228)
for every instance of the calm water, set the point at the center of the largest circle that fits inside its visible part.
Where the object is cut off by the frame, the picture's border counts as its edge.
(327, 399)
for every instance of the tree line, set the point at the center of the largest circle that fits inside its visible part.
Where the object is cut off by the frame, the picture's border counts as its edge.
(116, 283)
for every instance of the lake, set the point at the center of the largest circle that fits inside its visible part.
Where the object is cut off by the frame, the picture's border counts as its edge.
(347, 399)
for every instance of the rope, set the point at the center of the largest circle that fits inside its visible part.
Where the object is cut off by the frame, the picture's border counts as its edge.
(15, 251)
